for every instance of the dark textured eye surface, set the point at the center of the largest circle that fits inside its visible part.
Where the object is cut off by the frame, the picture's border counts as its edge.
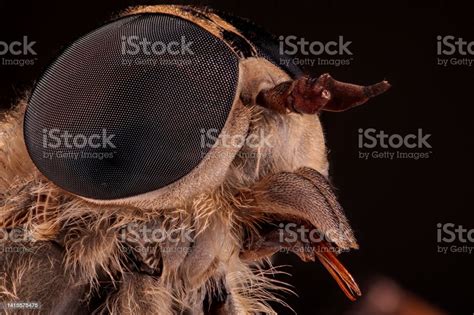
(111, 119)
(266, 43)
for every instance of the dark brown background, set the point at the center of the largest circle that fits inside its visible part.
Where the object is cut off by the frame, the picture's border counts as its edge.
(394, 206)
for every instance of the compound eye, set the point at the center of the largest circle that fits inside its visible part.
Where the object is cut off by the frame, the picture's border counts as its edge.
(122, 110)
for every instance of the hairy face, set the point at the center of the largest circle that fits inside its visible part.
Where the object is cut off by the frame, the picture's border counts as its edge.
(166, 229)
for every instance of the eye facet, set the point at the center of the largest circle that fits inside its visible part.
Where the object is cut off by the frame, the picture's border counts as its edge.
(122, 110)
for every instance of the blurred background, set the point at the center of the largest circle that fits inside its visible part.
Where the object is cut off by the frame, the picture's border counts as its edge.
(394, 205)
